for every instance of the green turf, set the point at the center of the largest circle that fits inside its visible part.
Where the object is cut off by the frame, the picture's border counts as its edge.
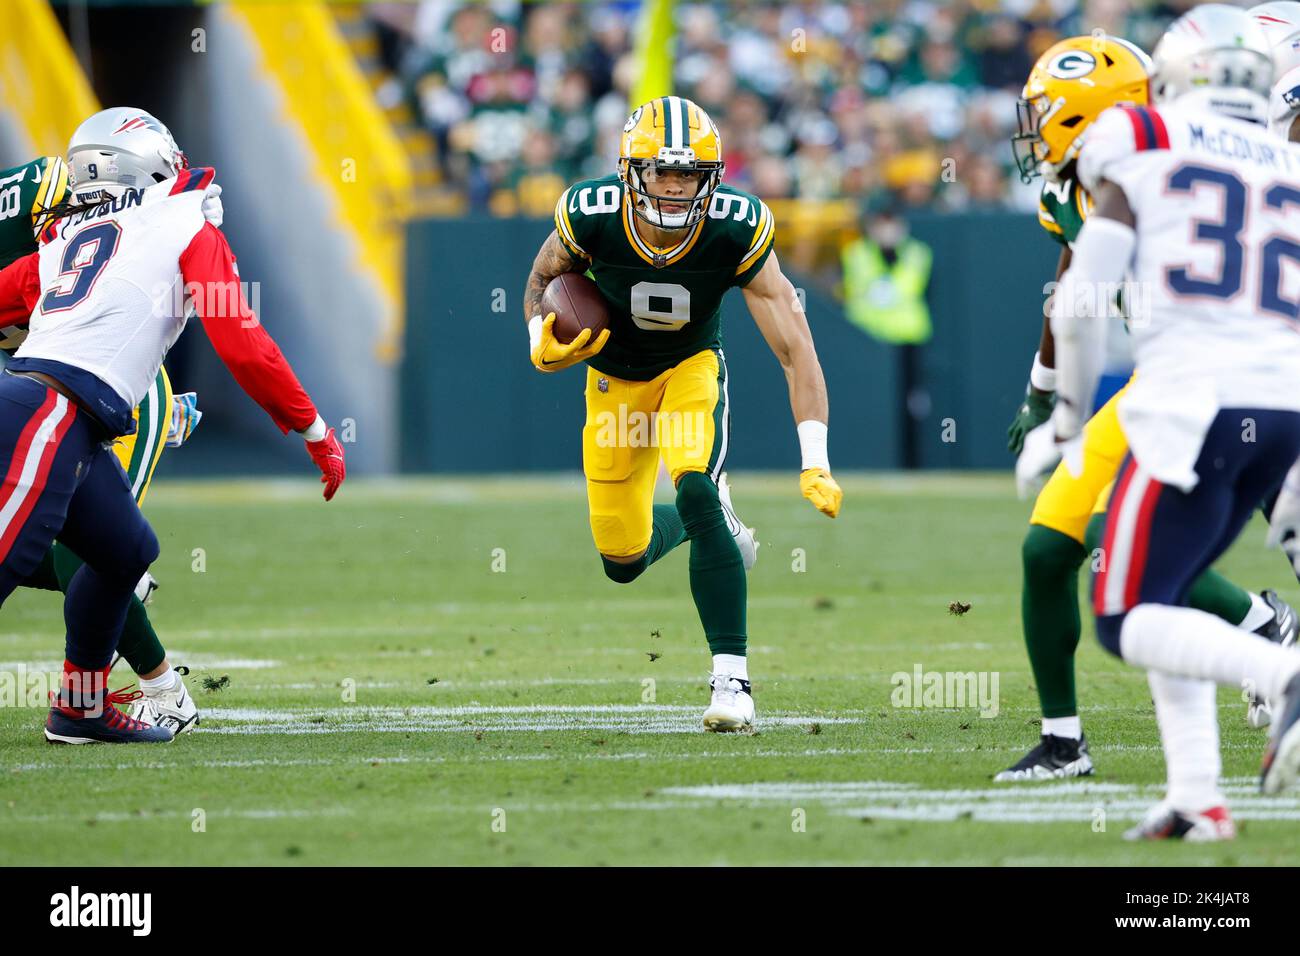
(487, 697)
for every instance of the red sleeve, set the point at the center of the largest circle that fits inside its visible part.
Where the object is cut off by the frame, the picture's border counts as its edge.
(20, 287)
(247, 349)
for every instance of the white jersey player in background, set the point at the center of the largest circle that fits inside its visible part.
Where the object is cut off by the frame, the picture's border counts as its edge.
(108, 293)
(1199, 206)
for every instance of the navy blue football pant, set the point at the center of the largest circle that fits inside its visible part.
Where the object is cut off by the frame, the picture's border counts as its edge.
(1158, 539)
(62, 482)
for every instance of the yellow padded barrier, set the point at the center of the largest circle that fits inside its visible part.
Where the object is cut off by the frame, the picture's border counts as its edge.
(358, 156)
(41, 82)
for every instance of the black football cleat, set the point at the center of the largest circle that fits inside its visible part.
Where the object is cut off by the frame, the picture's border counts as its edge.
(104, 724)
(1055, 758)
(1280, 630)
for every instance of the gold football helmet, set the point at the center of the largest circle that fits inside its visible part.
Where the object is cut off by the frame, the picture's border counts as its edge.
(51, 193)
(1068, 88)
(670, 133)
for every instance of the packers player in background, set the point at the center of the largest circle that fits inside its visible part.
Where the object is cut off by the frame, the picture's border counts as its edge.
(28, 194)
(664, 240)
(1069, 86)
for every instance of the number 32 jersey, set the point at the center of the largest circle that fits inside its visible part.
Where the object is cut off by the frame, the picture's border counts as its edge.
(1215, 293)
(664, 304)
(1216, 274)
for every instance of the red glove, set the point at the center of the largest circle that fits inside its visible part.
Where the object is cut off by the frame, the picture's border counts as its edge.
(328, 456)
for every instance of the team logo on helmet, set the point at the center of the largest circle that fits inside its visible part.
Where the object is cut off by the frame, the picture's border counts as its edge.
(636, 117)
(135, 122)
(1072, 64)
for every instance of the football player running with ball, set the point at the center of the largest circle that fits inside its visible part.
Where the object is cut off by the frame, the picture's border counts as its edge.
(664, 240)
(1072, 83)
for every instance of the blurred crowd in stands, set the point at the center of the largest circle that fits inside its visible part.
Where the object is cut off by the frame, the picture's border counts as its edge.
(815, 100)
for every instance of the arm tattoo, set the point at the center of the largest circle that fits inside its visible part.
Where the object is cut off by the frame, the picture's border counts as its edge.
(553, 259)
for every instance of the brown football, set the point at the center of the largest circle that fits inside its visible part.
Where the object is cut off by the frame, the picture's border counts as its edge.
(577, 305)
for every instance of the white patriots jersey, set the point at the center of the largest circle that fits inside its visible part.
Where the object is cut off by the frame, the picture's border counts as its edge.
(1214, 296)
(112, 299)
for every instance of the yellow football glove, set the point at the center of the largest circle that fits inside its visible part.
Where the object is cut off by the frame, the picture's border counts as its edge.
(820, 488)
(549, 355)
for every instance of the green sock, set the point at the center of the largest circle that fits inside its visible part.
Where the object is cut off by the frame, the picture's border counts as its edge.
(139, 644)
(1096, 530)
(1214, 593)
(666, 533)
(1211, 592)
(1049, 609)
(717, 570)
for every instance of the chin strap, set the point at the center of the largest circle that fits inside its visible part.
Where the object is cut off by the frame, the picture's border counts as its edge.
(644, 203)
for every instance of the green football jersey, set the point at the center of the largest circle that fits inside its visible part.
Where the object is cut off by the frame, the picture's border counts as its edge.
(664, 304)
(1062, 208)
(25, 193)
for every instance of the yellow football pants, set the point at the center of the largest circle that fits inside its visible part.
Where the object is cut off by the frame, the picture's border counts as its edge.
(1066, 503)
(139, 452)
(681, 415)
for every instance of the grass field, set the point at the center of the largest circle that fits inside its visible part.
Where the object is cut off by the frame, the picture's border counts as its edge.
(402, 692)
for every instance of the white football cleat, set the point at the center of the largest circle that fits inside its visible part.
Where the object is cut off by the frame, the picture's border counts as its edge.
(1163, 822)
(732, 708)
(1282, 757)
(145, 588)
(1259, 714)
(174, 709)
(744, 536)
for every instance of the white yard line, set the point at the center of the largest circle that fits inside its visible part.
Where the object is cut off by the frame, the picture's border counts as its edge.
(613, 718)
(269, 813)
(196, 661)
(474, 708)
(638, 726)
(445, 685)
(1078, 802)
(644, 756)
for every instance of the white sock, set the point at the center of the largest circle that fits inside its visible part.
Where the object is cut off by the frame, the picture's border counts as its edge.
(1185, 642)
(1070, 727)
(731, 664)
(1258, 615)
(160, 684)
(1188, 716)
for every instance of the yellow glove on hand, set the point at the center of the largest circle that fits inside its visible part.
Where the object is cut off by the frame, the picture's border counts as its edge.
(549, 355)
(820, 488)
